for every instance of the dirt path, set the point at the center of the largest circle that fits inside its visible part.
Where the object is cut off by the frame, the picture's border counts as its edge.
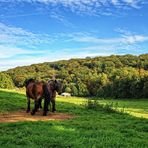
(23, 116)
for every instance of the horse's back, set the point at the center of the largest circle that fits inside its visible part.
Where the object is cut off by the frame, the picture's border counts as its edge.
(35, 90)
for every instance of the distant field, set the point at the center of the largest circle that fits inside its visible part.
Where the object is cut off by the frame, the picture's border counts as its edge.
(90, 128)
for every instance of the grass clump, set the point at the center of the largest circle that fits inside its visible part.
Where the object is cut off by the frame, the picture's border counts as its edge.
(109, 107)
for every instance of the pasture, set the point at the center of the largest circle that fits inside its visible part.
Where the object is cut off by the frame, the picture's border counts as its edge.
(125, 126)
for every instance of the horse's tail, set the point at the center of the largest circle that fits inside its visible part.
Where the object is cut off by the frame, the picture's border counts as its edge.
(38, 90)
(34, 92)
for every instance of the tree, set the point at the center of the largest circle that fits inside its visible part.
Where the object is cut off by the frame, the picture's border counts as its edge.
(6, 81)
(67, 89)
(19, 80)
(74, 90)
(82, 89)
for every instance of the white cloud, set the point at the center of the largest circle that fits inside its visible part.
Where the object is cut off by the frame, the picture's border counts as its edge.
(16, 41)
(135, 39)
(131, 37)
(126, 39)
(19, 36)
(89, 7)
(8, 52)
(57, 15)
(132, 3)
(11, 63)
(114, 2)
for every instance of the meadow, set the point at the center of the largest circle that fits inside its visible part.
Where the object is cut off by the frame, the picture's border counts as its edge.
(107, 123)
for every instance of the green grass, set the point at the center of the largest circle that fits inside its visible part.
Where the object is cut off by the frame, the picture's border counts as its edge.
(90, 128)
(11, 101)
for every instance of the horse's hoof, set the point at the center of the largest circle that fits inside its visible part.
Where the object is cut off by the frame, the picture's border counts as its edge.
(44, 114)
(32, 113)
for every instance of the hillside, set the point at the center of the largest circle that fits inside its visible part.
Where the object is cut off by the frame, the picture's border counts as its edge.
(111, 76)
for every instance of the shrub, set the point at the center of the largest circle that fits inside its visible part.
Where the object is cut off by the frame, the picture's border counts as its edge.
(6, 81)
(107, 107)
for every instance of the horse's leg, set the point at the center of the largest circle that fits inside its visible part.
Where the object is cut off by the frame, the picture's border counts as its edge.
(53, 104)
(28, 105)
(46, 102)
(36, 106)
(40, 103)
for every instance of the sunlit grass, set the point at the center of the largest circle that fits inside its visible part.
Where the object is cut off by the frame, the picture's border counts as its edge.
(135, 107)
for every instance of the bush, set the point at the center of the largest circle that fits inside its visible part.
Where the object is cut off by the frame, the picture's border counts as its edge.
(108, 107)
(6, 81)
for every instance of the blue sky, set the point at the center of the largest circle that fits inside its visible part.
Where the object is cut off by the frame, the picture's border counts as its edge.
(34, 31)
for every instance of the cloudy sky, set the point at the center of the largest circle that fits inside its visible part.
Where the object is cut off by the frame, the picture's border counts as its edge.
(34, 31)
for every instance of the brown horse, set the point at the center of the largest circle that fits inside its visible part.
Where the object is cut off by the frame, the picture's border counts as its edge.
(50, 89)
(35, 91)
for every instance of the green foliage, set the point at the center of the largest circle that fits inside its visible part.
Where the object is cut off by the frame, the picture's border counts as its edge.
(67, 89)
(111, 76)
(74, 90)
(19, 80)
(82, 89)
(6, 81)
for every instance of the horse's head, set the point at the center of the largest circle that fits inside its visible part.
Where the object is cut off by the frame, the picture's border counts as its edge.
(56, 85)
(31, 80)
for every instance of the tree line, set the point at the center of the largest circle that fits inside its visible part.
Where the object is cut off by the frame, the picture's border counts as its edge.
(110, 76)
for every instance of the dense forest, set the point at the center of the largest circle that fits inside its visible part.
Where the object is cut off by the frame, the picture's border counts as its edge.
(111, 76)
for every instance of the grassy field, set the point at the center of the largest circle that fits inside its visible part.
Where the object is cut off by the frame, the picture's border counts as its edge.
(91, 127)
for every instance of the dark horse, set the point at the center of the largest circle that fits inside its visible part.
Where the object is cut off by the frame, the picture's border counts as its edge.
(35, 91)
(38, 90)
(50, 89)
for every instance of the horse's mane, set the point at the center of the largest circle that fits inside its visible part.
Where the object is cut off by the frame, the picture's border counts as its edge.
(31, 80)
(51, 81)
